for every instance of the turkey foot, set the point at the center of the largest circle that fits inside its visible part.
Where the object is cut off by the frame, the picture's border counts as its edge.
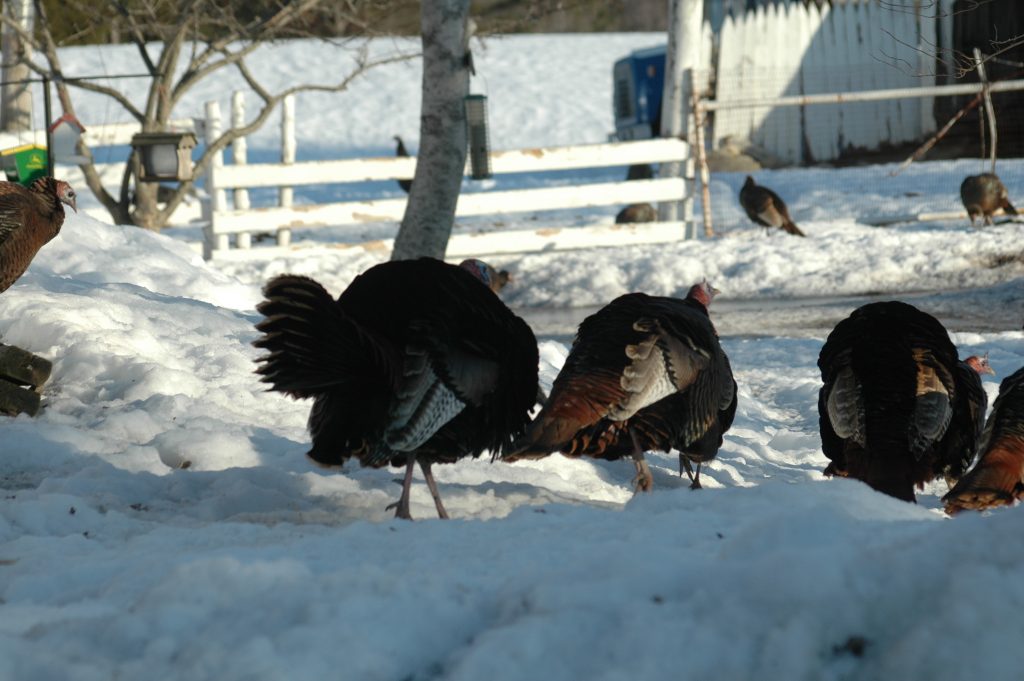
(402, 505)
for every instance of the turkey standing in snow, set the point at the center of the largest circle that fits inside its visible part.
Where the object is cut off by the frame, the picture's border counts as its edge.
(402, 152)
(644, 373)
(898, 408)
(998, 477)
(983, 195)
(764, 207)
(417, 361)
(29, 218)
(637, 212)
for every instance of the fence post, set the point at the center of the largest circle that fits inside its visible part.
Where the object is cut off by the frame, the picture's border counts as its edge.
(284, 236)
(217, 200)
(682, 55)
(702, 159)
(240, 153)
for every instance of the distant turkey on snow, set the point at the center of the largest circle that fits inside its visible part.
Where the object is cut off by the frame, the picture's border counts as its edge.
(764, 207)
(644, 373)
(983, 195)
(898, 408)
(417, 361)
(998, 477)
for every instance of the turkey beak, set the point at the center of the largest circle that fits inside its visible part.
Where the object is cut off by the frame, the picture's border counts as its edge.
(714, 291)
(71, 202)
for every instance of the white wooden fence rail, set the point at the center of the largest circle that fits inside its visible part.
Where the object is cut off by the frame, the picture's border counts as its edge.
(225, 222)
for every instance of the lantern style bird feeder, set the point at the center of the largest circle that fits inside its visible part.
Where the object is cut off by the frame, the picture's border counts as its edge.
(479, 141)
(166, 156)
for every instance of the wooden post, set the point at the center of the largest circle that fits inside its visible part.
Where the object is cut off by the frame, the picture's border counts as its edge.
(990, 113)
(22, 376)
(681, 59)
(217, 200)
(702, 161)
(285, 194)
(239, 153)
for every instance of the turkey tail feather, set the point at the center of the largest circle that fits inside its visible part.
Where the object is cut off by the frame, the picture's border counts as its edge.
(312, 345)
(790, 227)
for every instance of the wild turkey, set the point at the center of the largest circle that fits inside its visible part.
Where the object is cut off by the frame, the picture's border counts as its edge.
(764, 207)
(496, 280)
(898, 408)
(416, 362)
(983, 195)
(29, 218)
(402, 152)
(644, 373)
(637, 212)
(998, 477)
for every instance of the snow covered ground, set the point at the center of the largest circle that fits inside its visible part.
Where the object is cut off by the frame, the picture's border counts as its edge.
(117, 561)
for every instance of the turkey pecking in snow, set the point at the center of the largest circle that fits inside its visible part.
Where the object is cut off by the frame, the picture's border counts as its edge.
(764, 207)
(644, 373)
(998, 477)
(417, 361)
(898, 408)
(983, 195)
(29, 218)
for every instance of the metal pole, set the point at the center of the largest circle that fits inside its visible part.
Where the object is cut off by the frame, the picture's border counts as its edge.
(46, 126)
(990, 113)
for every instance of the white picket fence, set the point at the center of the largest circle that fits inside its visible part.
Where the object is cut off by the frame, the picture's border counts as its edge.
(795, 49)
(240, 222)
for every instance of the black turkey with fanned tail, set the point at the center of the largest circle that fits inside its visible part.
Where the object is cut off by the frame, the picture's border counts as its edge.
(898, 408)
(417, 361)
(644, 373)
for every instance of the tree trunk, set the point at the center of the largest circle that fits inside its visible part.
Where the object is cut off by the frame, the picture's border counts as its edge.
(16, 112)
(441, 162)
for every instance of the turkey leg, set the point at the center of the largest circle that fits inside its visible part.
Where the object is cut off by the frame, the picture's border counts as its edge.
(644, 481)
(684, 462)
(402, 505)
(432, 484)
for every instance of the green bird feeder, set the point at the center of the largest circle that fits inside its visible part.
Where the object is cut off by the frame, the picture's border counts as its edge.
(24, 164)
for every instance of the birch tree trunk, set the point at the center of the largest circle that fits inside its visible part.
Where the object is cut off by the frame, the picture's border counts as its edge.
(16, 111)
(430, 211)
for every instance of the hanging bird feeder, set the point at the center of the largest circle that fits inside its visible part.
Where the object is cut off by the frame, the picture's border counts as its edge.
(479, 141)
(65, 133)
(165, 155)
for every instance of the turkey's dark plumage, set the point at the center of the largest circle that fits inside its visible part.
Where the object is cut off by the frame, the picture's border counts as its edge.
(998, 477)
(637, 212)
(644, 373)
(416, 361)
(402, 152)
(897, 408)
(983, 195)
(29, 218)
(764, 207)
